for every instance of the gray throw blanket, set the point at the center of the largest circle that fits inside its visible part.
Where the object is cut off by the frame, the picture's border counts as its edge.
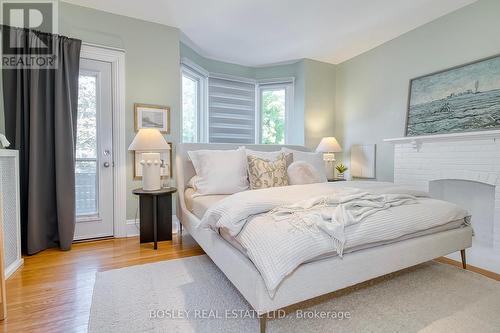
(332, 213)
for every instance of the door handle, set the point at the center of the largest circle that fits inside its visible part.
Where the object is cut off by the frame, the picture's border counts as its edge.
(106, 164)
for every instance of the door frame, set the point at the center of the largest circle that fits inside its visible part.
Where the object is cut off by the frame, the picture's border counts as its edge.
(117, 59)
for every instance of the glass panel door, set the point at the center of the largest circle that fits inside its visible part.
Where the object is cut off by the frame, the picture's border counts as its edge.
(94, 158)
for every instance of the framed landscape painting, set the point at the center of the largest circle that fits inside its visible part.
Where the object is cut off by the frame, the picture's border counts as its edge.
(461, 99)
(152, 116)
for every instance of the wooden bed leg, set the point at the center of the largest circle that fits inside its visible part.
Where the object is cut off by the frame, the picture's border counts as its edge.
(262, 321)
(464, 261)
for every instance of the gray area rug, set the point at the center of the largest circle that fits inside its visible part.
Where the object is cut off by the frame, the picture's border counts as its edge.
(193, 295)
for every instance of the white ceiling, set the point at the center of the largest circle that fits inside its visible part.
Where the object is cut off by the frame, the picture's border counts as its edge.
(260, 32)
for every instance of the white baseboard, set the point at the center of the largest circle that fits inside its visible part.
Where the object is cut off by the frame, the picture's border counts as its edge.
(133, 226)
(13, 267)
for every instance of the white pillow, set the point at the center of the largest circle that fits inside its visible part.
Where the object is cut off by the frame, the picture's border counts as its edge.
(300, 173)
(219, 171)
(314, 159)
(265, 155)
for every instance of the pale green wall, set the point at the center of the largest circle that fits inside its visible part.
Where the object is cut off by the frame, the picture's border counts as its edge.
(285, 70)
(215, 66)
(220, 67)
(319, 108)
(152, 65)
(372, 89)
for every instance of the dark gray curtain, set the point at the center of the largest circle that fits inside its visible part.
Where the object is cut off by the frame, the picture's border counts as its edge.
(40, 121)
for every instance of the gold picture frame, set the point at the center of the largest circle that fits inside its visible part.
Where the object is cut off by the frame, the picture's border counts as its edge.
(152, 116)
(165, 155)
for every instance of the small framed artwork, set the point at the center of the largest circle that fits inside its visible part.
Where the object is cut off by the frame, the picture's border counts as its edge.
(165, 172)
(152, 116)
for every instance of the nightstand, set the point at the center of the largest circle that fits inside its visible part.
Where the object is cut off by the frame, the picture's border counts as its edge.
(155, 214)
(336, 180)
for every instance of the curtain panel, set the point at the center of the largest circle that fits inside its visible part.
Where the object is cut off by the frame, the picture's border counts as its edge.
(40, 106)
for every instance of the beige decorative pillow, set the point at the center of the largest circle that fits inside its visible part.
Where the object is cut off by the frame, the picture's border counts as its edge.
(264, 173)
(269, 155)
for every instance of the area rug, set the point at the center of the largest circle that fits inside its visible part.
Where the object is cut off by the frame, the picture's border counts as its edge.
(193, 295)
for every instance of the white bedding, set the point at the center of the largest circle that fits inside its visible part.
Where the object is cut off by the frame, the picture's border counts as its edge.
(277, 246)
(198, 205)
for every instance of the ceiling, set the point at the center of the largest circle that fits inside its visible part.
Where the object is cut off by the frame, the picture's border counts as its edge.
(261, 32)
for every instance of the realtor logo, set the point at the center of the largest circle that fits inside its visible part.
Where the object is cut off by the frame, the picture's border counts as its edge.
(26, 33)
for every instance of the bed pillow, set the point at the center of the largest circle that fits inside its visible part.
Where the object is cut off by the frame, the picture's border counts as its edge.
(263, 173)
(219, 171)
(268, 155)
(300, 173)
(314, 159)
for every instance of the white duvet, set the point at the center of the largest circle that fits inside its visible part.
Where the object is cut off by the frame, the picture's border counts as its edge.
(281, 228)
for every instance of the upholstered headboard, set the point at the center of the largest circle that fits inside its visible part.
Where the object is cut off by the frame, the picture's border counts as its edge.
(185, 170)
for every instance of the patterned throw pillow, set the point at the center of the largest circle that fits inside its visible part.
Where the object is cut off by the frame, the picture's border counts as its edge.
(264, 173)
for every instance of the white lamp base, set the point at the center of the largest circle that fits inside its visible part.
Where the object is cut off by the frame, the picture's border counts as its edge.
(329, 159)
(151, 178)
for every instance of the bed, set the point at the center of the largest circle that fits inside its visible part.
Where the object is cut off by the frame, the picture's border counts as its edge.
(312, 278)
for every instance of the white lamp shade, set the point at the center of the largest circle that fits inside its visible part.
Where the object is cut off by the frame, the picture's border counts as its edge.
(149, 139)
(329, 145)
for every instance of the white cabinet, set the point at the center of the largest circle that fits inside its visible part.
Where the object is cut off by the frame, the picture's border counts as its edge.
(9, 195)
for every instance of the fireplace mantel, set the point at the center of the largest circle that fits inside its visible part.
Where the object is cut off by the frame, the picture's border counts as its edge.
(482, 135)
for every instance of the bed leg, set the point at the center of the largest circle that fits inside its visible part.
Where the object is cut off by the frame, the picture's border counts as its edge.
(262, 322)
(464, 261)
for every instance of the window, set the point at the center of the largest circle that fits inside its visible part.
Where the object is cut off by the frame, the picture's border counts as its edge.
(193, 95)
(275, 107)
(231, 111)
(219, 108)
(190, 88)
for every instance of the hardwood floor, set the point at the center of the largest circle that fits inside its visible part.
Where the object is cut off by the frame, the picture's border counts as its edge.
(491, 275)
(52, 292)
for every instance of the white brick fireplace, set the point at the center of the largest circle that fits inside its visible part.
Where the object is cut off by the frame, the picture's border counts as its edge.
(462, 168)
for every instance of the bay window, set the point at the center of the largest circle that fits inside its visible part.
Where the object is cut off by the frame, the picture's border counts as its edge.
(225, 109)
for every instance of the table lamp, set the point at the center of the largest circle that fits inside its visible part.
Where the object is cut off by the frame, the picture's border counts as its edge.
(151, 142)
(329, 146)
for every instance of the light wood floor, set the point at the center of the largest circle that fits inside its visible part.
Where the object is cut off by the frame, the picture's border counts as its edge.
(52, 292)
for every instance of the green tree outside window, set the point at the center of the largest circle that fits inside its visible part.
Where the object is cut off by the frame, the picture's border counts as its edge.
(273, 116)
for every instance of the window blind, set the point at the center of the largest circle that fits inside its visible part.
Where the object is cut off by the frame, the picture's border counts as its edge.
(231, 111)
